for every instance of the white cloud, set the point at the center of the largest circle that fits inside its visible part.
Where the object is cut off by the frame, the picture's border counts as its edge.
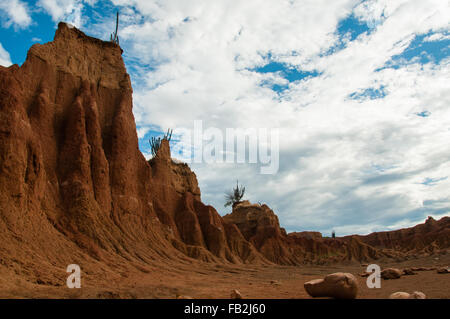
(5, 59)
(142, 131)
(344, 164)
(69, 11)
(16, 12)
(437, 37)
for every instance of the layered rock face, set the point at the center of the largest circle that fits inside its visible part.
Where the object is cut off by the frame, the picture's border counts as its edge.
(194, 228)
(74, 187)
(433, 236)
(260, 226)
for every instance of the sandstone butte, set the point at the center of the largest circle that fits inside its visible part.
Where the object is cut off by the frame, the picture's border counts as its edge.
(74, 187)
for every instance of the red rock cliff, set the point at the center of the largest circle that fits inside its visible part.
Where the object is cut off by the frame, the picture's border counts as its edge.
(74, 187)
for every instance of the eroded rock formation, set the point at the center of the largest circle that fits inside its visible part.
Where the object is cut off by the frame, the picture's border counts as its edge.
(260, 226)
(431, 237)
(74, 187)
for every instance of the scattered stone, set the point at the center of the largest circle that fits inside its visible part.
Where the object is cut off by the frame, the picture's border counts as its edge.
(405, 295)
(400, 295)
(184, 297)
(417, 295)
(391, 273)
(338, 285)
(275, 282)
(443, 270)
(235, 294)
(408, 272)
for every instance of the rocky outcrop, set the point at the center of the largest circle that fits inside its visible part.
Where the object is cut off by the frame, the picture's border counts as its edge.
(260, 226)
(196, 229)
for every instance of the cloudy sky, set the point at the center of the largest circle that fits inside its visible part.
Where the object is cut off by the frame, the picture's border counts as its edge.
(359, 90)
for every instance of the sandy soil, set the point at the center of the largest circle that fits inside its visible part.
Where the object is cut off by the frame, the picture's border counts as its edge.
(217, 281)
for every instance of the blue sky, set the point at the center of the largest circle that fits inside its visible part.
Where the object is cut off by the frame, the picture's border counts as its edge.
(358, 89)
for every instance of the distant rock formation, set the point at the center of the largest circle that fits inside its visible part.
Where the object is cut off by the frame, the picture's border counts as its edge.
(429, 238)
(260, 226)
(306, 234)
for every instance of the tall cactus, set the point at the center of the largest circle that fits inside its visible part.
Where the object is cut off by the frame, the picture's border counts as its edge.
(155, 143)
(114, 36)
